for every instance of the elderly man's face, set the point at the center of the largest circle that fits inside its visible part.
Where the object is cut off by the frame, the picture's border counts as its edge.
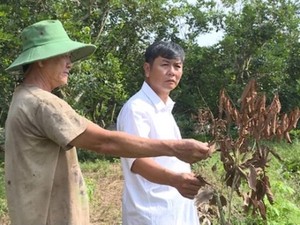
(56, 70)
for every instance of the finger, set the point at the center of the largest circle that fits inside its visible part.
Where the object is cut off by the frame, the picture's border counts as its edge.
(196, 183)
(191, 189)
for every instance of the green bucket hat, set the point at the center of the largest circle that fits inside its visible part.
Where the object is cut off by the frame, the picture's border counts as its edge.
(47, 39)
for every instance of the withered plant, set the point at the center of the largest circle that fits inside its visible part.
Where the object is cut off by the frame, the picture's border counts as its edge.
(240, 132)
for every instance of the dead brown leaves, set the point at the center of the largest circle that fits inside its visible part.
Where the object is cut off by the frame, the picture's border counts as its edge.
(255, 118)
(240, 131)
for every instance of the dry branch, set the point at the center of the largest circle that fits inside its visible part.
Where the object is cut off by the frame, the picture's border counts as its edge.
(240, 133)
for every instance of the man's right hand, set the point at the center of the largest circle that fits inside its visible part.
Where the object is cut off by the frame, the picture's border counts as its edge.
(186, 184)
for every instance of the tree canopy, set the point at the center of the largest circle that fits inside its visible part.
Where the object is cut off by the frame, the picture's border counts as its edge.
(261, 41)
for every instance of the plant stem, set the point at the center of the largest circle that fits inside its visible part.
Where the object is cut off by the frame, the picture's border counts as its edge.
(220, 208)
(233, 185)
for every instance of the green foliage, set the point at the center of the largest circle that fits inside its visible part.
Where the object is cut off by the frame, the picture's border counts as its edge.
(89, 156)
(91, 186)
(97, 94)
(99, 165)
(290, 169)
(2, 139)
(121, 30)
(283, 211)
(3, 204)
(96, 166)
(260, 41)
(285, 185)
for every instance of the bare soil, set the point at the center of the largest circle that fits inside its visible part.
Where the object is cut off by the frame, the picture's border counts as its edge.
(105, 202)
(105, 205)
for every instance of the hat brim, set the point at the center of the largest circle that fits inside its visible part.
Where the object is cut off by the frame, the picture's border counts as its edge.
(78, 51)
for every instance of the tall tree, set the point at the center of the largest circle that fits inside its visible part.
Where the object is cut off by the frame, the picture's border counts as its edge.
(260, 41)
(120, 29)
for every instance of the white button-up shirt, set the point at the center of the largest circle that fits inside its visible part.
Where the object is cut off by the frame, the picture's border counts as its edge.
(144, 202)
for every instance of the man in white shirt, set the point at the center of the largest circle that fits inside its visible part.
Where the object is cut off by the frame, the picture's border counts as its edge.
(157, 190)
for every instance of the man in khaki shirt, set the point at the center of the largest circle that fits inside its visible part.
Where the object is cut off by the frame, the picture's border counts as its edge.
(44, 184)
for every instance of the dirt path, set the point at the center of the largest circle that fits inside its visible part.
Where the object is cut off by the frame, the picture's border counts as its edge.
(105, 202)
(105, 206)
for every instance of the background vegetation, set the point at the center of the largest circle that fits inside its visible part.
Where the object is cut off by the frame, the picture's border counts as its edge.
(261, 41)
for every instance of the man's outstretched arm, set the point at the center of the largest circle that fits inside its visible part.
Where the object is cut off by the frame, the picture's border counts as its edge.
(121, 144)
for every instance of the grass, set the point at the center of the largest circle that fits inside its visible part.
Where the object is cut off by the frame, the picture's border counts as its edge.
(104, 180)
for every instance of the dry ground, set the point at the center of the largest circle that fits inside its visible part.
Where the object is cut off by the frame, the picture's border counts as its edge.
(4, 220)
(105, 205)
(105, 202)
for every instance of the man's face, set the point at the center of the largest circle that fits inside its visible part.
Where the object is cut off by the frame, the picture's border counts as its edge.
(163, 75)
(57, 69)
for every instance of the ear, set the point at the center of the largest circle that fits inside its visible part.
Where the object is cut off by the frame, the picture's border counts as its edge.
(147, 69)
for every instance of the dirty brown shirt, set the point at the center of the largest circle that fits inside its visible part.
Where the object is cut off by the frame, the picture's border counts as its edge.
(44, 184)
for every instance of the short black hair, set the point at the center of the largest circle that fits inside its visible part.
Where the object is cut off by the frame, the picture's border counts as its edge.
(165, 49)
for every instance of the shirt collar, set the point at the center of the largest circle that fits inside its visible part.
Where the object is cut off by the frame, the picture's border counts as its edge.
(155, 99)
